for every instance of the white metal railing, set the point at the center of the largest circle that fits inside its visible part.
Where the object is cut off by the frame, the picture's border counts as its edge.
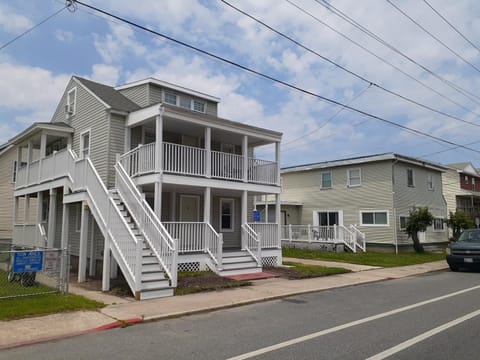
(156, 235)
(185, 160)
(227, 166)
(262, 171)
(269, 234)
(251, 241)
(359, 237)
(324, 234)
(197, 237)
(139, 161)
(29, 235)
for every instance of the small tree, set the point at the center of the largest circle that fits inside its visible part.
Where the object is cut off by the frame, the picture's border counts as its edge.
(418, 220)
(458, 222)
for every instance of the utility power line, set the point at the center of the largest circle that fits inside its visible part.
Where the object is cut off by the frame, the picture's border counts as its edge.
(273, 79)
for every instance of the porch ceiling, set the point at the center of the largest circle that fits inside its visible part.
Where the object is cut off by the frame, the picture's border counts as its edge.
(53, 131)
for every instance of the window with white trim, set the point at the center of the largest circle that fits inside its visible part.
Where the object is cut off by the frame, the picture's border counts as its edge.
(374, 218)
(198, 106)
(170, 98)
(430, 182)
(185, 102)
(403, 222)
(71, 101)
(438, 224)
(410, 178)
(85, 144)
(226, 214)
(15, 168)
(354, 177)
(326, 180)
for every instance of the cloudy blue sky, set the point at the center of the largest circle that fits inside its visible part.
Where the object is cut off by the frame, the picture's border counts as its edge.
(34, 70)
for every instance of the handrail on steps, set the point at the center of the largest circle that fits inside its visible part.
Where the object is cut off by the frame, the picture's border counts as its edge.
(251, 241)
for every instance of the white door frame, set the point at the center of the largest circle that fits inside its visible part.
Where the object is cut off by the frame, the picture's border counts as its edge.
(315, 216)
(197, 197)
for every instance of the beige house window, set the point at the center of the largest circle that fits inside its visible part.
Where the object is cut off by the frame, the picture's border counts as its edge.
(430, 182)
(410, 178)
(326, 180)
(354, 177)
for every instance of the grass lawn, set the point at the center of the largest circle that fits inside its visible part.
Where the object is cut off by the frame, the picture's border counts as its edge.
(17, 308)
(14, 287)
(295, 270)
(199, 281)
(367, 258)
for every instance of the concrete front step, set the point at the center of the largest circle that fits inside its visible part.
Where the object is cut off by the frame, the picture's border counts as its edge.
(155, 284)
(157, 293)
(230, 272)
(240, 265)
(152, 276)
(234, 259)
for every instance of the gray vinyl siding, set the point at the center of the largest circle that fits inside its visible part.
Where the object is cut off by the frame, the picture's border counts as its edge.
(375, 193)
(155, 95)
(117, 145)
(138, 94)
(74, 235)
(407, 198)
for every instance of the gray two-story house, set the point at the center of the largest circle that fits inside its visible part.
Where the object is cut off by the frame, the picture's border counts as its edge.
(373, 193)
(146, 176)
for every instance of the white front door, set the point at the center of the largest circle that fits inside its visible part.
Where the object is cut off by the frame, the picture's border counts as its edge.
(189, 208)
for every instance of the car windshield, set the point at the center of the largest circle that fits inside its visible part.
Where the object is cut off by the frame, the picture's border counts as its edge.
(470, 236)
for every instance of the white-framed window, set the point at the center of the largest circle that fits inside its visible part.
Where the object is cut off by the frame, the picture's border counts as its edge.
(226, 214)
(85, 144)
(326, 180)
(354, 177)
(70, 107)
(170, 98)
(374, 217)
(15, 168)
(185, 102)
(403, 222)
(430, 182)
(199, 106)
(410, 178)
(438, 224)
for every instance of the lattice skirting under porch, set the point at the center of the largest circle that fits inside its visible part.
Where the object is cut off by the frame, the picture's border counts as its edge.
(189, 266)
(269, 261)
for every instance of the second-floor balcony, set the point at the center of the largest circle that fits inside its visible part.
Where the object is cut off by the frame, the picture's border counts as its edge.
(195, 161)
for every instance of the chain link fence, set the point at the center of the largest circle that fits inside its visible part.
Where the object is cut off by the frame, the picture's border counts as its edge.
(28, 271)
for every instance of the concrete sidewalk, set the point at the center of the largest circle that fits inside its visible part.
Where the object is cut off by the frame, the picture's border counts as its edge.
(120, 310)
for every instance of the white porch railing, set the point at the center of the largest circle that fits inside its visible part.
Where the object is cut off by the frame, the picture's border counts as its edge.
(262, 171)
(251, 241)
(352, 238)
(139, 161)
(185, 160)
(29, 235)
(227, 166)
(156, 235)
(269, 234)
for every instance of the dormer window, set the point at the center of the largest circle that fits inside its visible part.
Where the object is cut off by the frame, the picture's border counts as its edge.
(71, 101)
(198, 106)
(170, 98)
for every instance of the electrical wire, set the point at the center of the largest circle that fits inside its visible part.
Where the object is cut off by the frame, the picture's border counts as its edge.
(358, 76)
(278, 81)
(374, 36)
(32, 28)
(381, 58)
(451, 25)
(433, 36)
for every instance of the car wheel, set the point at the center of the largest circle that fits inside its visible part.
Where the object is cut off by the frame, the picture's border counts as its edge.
(453, 267)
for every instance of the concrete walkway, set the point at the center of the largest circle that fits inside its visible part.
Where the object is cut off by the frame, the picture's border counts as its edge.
(120, 310)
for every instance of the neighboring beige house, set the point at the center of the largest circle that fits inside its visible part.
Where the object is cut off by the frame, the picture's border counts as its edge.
(461, 188)
(146, 176)
(374, 193)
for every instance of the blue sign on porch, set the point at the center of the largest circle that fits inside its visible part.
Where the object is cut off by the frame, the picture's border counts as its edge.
(256, 216)
(27, 261)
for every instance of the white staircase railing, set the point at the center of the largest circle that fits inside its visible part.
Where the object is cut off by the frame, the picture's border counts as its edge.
(197, 237)
(156, 235)
(251, 241)
(347, 237)
(269, 234)
(359, 237)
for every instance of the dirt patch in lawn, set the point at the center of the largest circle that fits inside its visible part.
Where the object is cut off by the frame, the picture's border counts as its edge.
(292, 270)
(193, 282)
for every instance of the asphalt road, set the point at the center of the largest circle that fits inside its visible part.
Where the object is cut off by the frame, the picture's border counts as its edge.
(434, 316)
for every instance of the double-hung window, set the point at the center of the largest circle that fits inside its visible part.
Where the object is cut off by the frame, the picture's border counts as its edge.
(430, 182)
(354, 177)
(326, 180)
(410, 178)
(375, 218)
(71, 101)
(438, 224)
(170, 98)
(198, 106)
(403, 222)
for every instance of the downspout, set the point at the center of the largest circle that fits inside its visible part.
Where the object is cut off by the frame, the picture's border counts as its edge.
(393, 207)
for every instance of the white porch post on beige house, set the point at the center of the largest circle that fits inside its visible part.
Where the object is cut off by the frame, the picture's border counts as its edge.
(245, 157)
(206, 204)
(208, 152)
(157, 203)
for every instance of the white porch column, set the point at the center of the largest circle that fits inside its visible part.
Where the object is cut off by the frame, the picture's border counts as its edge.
(208, 152)
(43, 146)
(92, 264)
(278, 221)
(207, 193)
(64, 245)
(106, 264)
(266, 208)
(19, 156)
(245, 157)
(82, 257)
(277, 160)
(52, 218)
(128, 139)
(29, 158)
(244, 209)
(159, 142)
(26, 209)
(173, 206)
(15, 210)
(39, 207)
(157, 202)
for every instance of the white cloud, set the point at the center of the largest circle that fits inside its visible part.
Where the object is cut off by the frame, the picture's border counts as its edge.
(12, 22)
(105, 74)
(64, 36)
